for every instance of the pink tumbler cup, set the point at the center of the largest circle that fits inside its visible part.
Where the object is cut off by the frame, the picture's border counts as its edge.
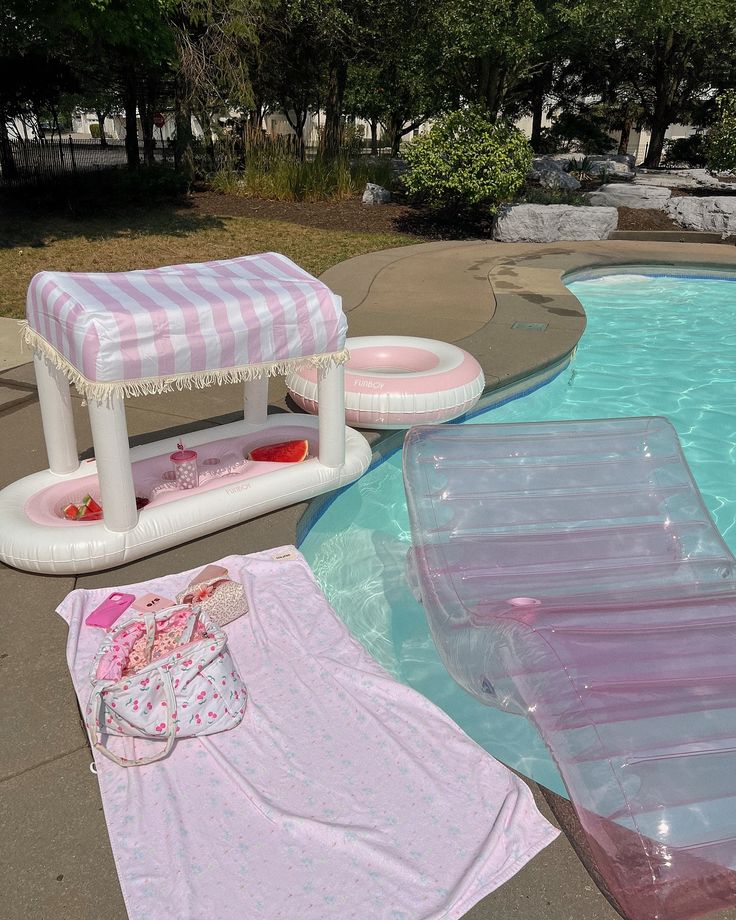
(185, 467)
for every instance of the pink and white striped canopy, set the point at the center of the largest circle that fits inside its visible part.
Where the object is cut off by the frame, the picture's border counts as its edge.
(183, 325)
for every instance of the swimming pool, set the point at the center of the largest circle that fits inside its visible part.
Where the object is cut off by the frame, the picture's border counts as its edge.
(658, 342)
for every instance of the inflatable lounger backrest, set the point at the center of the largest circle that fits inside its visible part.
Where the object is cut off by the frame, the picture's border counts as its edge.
(570, 572)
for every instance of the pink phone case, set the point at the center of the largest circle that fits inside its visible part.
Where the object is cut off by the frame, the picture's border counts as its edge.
(152, 603)
(110, 609)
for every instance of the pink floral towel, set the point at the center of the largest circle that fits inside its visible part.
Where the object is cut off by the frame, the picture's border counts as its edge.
(342, 795)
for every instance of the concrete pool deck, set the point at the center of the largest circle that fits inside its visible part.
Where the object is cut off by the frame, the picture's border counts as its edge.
(504, 303)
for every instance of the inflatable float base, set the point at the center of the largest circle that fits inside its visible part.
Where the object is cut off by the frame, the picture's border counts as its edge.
(36, 537)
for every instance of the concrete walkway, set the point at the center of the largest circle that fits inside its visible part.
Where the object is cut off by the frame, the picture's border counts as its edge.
(504, 303)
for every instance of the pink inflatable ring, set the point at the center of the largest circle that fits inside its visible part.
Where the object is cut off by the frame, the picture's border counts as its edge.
(397, 381)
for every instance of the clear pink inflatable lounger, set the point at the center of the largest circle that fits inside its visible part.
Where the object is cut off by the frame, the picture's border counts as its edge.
(571, 572)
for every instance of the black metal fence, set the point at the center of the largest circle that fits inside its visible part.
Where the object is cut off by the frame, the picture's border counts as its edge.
(42, 161)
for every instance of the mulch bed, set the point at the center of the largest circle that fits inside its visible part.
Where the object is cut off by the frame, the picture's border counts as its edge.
(645, 219)
(395, 217)
(348, 215)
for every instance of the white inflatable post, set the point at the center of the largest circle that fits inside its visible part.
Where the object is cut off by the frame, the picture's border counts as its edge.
(112, 453)
(57, 418)
(331, 401)
(255, 401)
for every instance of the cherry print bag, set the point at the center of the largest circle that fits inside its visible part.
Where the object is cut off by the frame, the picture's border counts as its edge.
(193, 690)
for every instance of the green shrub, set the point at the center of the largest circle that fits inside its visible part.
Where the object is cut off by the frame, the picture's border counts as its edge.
(466, 161)
(581, 168)
(691, 151)
(94, 130)
(722, 136)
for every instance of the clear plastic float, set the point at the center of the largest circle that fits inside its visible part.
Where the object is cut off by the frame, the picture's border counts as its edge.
(570, 572)
(155, 331)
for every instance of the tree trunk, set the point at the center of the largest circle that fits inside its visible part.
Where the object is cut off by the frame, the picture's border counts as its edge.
(665, 85)
(623, 144)
(336, 79)
(396, 123)
(489, 84)
(540, 87)
(149, 144)
(656, 143)
(7, 162)
(183, 156)
(297, 126)
(374, 137)
(147, 100)
(101, 122)
(130, 102)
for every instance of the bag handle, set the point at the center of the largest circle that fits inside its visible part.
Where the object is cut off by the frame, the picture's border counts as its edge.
(92, 722)
(151, 623)
(186, 636)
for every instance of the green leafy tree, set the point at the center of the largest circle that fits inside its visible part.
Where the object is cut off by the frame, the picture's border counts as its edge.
(671, 51)
(487, 48)
(721, 147)
(400, 83)
(466, 161)
(213, 40)
(286, 72)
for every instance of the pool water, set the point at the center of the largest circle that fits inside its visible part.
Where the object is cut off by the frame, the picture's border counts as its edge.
(654, 345)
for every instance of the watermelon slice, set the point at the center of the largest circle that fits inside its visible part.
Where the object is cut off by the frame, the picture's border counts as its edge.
(91, 504)
(86, 514)
(71, 512)
(285, 452)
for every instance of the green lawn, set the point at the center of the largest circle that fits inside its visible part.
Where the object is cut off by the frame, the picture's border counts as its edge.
(164, 235)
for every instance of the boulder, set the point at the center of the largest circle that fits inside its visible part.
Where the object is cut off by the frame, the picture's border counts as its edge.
(630, 196)
(556, 178)
(715, 214)
(707, 180)
(604, 166)
(564, 159)
(625, 159)
(550, 173)
(546, 223)
(376, 194)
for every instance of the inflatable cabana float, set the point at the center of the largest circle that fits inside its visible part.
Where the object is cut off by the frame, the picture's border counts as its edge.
(156, 331)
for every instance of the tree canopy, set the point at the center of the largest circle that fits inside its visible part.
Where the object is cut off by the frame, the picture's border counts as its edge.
(596, 65)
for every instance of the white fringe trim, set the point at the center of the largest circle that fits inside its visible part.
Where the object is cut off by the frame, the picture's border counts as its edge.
(148, 386)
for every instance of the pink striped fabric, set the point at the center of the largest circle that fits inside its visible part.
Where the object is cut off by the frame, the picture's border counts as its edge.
(185, 320)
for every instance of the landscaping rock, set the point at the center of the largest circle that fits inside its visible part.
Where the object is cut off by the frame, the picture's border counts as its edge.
(624, 159)
(550, 173)
(564, 159)
(376, 194)
(715, 214)
(545, 223)
(606, 166)
(630, 196)
(556, 178)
